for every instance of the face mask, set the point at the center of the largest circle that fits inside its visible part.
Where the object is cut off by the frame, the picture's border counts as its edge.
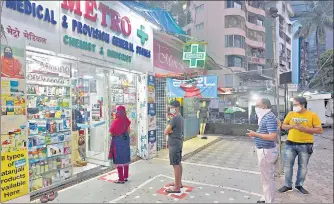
(172, 110)
(260, 113)
(297, 108)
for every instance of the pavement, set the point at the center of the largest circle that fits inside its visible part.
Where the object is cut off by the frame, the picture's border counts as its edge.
(224, 172)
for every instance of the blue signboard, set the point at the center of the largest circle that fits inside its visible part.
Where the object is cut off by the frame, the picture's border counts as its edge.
(200, 87)
(151, 80)
(151, 109)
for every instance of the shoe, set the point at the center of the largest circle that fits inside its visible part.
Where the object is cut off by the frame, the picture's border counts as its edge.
(302, 190)
(261, 201)
(285, 189)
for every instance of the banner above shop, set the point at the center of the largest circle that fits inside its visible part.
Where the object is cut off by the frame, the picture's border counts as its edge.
(200, 87)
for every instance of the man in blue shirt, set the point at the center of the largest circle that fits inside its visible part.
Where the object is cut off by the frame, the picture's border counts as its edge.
(264, 139)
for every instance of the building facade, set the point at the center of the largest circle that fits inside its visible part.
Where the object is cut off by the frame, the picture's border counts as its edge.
(234, 31)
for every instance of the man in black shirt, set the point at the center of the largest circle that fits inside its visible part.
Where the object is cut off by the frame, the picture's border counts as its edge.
(174, 130)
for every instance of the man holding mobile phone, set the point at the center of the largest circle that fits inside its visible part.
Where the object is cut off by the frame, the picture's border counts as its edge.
(302, 124)
(265, 142)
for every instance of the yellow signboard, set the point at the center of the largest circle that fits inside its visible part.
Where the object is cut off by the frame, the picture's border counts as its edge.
(14, 175)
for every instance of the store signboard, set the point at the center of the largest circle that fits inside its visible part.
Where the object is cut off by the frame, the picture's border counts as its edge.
(194, 55)
(83, 29)
(200, 87)
(13, 140)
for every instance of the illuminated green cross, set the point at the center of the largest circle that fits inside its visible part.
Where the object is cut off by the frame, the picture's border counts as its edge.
(142, 35)
(193, 56)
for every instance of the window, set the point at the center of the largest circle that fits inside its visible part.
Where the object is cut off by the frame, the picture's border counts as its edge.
(199, 26)
(288, 40)
(288, 52)
(255, 35)
(199, 8)
(259, 22)
(283, 7)
(234, 22)
(234, 41)
(234, 61)
(234, 4)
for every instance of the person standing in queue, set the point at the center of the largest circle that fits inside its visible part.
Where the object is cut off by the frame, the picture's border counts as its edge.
(265, 142)
(119, 151)
(301, 124)
(174, 130)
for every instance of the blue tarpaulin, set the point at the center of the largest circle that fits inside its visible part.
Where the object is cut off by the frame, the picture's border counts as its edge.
(156, 16)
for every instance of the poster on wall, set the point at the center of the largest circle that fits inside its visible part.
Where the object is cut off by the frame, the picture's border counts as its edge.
(142, 113)
(152, 143)
(200, 87)
(14, 153)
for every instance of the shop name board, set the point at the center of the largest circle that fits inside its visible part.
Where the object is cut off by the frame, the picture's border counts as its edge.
(194, 55)
(118, 23)
(33, 9)
(200, 82)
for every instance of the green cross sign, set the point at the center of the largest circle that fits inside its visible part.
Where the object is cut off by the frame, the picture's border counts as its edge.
(193, 56)
(142, 35)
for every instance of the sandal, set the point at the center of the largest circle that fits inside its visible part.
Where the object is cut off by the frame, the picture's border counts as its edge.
(173, 184)
(119, 182)
(52, 196)
(44, 198)
(172, 191)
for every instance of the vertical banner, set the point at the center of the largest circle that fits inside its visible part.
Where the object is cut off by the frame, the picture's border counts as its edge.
(142, 116)
(200, 87)
(14, 152)
(152, 118)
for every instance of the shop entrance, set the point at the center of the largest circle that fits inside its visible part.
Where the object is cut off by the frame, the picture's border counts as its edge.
(70, 106)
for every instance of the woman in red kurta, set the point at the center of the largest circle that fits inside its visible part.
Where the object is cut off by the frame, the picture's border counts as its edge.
(119, 151)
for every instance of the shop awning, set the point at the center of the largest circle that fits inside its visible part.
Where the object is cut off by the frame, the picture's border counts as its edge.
(252, 76)
(156, 16)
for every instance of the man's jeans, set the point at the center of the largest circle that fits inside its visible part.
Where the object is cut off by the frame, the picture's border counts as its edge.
(304, 152)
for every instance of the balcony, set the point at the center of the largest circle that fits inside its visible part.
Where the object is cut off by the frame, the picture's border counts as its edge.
(255, 44)
(256, 7)
(235, 12)
(254, 26)
(234, 51)
(235, 31)
(256, 60)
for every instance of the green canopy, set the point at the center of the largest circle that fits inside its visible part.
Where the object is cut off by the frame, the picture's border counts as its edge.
(233, 110)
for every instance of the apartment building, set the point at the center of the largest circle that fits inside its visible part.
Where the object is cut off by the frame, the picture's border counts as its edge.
(234, 31)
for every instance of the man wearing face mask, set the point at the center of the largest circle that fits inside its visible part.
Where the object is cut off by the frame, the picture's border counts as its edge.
(302, 124)
(264, 139)
(174, 130)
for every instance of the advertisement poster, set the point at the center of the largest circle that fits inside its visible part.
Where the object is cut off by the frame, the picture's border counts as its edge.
(14, 153)
(200, 87)
(152, 144)
(14, 175)
(142, 113)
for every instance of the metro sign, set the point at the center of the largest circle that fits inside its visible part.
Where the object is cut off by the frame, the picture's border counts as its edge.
(194, 56)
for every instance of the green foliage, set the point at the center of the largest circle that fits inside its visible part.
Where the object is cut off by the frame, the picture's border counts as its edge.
(326, 72)
(318, 19)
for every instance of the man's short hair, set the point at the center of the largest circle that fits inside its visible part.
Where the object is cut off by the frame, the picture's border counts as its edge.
(301, 100)
(266, 102)
(175, 104)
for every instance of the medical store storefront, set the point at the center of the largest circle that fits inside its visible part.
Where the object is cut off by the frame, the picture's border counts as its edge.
(66, 66)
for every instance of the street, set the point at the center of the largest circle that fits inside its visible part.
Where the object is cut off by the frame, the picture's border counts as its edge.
(225, 172)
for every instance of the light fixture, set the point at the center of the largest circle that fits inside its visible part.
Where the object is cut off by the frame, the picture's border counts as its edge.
(255, 97)
(237, 103)
(55, 61)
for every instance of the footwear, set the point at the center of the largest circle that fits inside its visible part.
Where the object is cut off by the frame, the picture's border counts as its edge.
(261, 201)
(44, 198)
(172, 191)
(302, 190)
(173, 184)
(285, 189)
(126, 180)
(52, 196)
(119, 182)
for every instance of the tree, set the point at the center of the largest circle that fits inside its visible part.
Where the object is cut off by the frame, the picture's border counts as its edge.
(326, 60)
(318, 19)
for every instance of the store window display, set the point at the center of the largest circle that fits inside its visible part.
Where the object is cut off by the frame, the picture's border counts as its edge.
(49, 120)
